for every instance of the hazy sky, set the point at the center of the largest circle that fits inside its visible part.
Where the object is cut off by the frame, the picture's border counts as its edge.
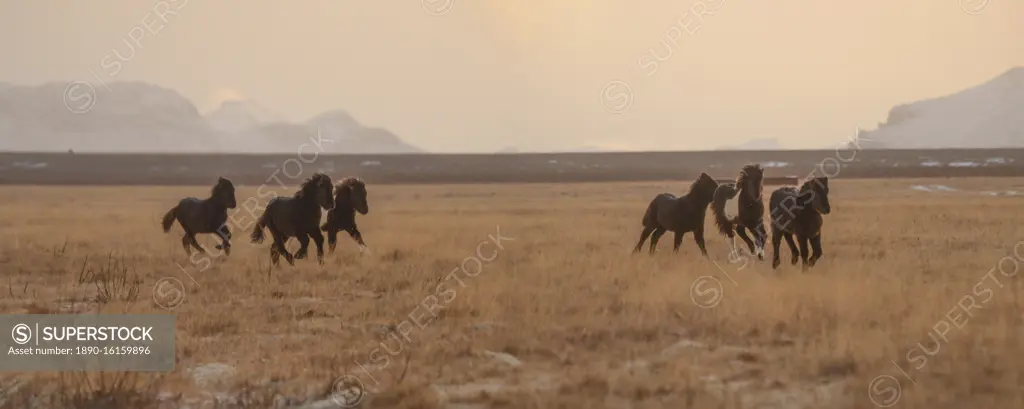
(485, 74)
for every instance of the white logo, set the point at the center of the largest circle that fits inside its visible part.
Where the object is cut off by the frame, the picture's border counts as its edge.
(347, 391)
(79, 97)
(168, 293)
(21, 334)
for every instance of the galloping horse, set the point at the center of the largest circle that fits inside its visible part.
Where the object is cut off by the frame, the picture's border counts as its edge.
(350, 197)
(297, 216)
(204, 216)
(679, 215)
(801, 216)
(750, 207)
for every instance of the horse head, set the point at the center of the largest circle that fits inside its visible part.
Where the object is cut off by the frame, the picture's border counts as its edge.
(815, 192)
(224, 193)
(751, 180)
(353, 191)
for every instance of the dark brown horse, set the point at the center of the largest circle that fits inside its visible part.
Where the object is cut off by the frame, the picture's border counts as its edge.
(297, 216)
(349, 198)
(204, 216)
(799, 212)
(750, 207)
(679, 215)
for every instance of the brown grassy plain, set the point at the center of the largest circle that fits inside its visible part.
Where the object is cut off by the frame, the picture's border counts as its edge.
(589, 324)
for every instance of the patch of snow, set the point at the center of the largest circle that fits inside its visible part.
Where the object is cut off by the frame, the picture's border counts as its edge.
(964, 164)
(775, 164)
(370, 163)
(931, 164)
(1006, 193)
(932, 188)
(29, 165)
(1001, 161)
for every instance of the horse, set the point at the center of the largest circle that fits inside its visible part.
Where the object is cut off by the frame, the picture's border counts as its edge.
(204, 216)
(350, 197)
(750, 207)
(297, 216)
(801, 217)
(679, 215)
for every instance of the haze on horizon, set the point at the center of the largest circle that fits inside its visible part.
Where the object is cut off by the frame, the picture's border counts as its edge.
(491, 74)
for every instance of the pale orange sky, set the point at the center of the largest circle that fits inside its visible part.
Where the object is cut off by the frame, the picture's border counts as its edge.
(530, 73)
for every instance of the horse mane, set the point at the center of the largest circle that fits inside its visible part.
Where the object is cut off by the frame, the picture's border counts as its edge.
(221, 184)
(701, 180)
(745, 173)
(809, 183)
(310, 185)
(351, 182)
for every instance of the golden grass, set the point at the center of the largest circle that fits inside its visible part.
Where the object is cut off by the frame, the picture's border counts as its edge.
(593, 325)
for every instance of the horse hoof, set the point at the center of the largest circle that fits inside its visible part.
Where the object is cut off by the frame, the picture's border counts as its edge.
(775, 264)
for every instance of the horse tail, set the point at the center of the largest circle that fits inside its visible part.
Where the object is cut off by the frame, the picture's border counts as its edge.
(257, 235)
(722, 194)
(651, 215)
(169, 219)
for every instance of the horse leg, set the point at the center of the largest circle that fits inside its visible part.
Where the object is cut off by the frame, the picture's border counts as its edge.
(332, 239)
(303, 245)
(279, 241)
(776, 238)
(318, 239)
(643, 237)
(195, 243)
(815, 249)
(275, 256)
(358, 237)
(225, 237)
(792, 248)
(803, 251)
(698, 236)
(677, 241)
(186, 244)
(655, 236)
(742, 232)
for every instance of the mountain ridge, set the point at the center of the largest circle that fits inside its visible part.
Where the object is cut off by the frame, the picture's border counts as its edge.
(141, 117)
(987, 115)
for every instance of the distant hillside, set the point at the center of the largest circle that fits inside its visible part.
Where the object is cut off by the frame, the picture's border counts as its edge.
(141, 117)
(990, 115)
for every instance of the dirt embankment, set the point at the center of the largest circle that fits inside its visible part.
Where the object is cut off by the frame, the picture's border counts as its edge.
(189, 169)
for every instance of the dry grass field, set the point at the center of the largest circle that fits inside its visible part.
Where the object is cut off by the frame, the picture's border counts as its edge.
(907, 308)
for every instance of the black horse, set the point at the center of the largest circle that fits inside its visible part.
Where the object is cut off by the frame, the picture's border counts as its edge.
(750, 207)
(204, 216)
(297, 216)
(350, 197)
(679, 215)
(799, 212)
